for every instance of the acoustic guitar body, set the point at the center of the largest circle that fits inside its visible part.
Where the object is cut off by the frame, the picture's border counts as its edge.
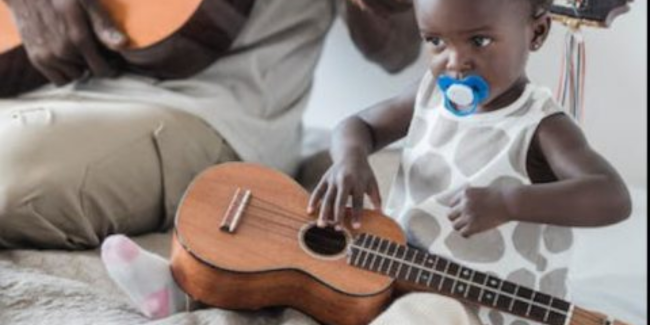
(244, 241)
(168, 39)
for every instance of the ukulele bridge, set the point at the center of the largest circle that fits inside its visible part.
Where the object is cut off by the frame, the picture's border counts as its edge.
(235, 210)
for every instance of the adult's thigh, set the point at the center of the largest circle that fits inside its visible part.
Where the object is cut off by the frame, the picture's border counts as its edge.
(73, 172)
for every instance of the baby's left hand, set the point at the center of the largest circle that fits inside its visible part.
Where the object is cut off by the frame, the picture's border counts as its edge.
(477, 209)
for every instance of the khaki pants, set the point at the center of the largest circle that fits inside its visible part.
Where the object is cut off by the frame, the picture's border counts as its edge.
(75, 171)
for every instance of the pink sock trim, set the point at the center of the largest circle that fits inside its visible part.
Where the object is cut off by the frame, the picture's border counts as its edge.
(156, 305)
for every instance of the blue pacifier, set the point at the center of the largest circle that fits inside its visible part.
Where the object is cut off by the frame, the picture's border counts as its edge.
(467, 92)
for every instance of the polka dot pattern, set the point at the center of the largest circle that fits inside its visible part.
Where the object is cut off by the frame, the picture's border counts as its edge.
(518, 154)
(554, 282)
(506, 182)
(558, 239)
(550, 107)
(527, 240)
(524, 110)
(398, 190)
(522, 277)
(519, 322)
(447, 154)
(446, 198)
(422, 228)
(485, 247)
(444, 131)
(478, 147)
(429, 175)
(417, 131)
(496, 318)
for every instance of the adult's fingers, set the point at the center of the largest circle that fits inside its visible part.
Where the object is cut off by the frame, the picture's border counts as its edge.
(56, 68)
(82, 37)
(104, 27)
(53, 75)
(70, 70)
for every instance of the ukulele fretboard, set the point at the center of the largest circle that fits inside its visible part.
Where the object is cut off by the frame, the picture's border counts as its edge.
(443, 276)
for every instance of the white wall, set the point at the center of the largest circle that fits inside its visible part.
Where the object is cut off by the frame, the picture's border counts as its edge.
(616, 104)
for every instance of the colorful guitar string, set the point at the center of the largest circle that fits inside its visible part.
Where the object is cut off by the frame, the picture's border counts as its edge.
(571, 87)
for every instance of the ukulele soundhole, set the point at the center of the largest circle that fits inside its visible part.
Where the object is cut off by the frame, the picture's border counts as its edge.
(324, 242)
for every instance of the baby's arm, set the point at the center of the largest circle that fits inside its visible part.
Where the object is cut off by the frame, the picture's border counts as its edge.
(589, 192)
(354, 139)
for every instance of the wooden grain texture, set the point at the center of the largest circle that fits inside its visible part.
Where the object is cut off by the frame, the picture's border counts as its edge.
(263, 264)
(581, 316)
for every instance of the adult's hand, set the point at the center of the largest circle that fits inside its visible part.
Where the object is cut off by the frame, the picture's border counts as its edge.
(64, 38)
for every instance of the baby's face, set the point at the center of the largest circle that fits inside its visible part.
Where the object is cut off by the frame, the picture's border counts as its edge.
(490, 38)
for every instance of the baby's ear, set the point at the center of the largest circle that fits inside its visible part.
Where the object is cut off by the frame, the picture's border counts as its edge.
(541, 28)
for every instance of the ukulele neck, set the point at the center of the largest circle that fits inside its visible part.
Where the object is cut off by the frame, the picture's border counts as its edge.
(437, 274)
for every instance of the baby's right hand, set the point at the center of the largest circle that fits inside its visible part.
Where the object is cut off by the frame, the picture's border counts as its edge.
(351, 177)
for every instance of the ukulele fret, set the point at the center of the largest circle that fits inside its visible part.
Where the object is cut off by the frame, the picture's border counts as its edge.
(216, 267)
(454, 280)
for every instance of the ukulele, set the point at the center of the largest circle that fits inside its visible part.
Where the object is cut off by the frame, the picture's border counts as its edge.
(168, 39)
(243, 241)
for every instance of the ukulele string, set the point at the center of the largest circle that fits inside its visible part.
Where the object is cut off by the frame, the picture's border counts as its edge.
(264, 216)
(281, 229)
(265, 219)
(260, 222)
(296, 221)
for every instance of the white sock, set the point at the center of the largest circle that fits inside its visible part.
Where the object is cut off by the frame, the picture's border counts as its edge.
(145, 277)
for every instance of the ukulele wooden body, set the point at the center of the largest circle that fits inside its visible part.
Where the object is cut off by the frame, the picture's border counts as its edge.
(274, 256)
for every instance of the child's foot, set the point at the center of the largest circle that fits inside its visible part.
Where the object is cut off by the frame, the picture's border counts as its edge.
(145, 277)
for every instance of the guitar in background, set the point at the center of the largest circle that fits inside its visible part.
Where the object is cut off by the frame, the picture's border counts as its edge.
(168, 39)
(594, 13)
(575, 14)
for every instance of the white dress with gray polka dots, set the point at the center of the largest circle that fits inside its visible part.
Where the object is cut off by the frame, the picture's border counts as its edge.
(445, 153)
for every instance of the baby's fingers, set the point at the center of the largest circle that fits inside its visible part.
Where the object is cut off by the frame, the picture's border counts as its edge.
(317, 196)
(325, 216)
(357, 208)
(341, 203)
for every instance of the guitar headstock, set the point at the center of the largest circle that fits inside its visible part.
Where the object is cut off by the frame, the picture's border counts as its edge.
(596, 13)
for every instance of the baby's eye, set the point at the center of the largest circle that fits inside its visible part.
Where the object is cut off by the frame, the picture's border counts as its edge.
(481, 41)
(435, 41)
